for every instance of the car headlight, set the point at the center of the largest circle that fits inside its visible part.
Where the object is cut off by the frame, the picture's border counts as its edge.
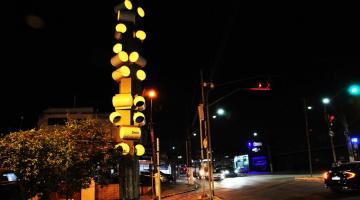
(325, 175)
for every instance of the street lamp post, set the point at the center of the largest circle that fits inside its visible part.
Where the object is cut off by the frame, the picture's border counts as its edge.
(155, 161)
(307, 135)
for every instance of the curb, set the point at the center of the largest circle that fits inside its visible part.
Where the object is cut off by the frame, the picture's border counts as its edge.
(196, 186)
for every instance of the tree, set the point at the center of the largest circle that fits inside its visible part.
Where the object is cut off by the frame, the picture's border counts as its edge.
(61, 158)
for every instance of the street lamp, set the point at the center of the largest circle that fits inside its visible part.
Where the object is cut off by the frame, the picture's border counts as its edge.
(152, 94)
(220, 111)
(156, 162)
(326, 101)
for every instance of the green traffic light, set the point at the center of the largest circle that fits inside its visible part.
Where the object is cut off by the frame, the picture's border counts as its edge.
(354, 90)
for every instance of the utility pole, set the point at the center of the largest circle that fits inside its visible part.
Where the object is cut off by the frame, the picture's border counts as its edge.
(307, 135)
(204, 99)
(201, 119)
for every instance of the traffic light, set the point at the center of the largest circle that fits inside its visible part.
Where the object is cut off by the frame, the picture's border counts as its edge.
(330, 119)
(128, 62)
(354, 90)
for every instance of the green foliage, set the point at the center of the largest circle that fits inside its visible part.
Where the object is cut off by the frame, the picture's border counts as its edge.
(62, 158)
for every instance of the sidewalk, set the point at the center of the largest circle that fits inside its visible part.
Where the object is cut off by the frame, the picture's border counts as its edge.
(172, 189)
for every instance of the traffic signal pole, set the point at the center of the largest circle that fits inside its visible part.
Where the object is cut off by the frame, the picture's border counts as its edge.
(331, 133)
(206, 142)
(201, 119)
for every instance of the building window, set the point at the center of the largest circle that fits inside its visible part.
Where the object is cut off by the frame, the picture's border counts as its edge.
(57, 121)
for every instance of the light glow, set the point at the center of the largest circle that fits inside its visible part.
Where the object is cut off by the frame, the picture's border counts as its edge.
(152, 94)
(141, 75)
(140, 150)
(140, 34)
(220, 111)
(134, 56)
(354, 90)
(326, 100)
(120, 28)
(123, 56)
(123, 71)
(117, 48)
(354, 140)
(325, 175)
(128, 4)
(350, 175)
(141, 12)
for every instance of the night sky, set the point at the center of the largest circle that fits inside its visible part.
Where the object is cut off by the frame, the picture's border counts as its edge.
(55, 52)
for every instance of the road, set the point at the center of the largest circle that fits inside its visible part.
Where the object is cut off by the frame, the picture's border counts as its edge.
(270, 187)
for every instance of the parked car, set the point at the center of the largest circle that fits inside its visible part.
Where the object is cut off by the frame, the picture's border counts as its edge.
(10, 188)
(166, 178)
(343, 177)
(228, 172)
(218, 175)
(145, 177)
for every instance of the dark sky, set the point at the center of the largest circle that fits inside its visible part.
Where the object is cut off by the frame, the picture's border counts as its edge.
(53, 51)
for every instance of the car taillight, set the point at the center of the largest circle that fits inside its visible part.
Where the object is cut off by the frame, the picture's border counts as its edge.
(326, 175)
(349, 175)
